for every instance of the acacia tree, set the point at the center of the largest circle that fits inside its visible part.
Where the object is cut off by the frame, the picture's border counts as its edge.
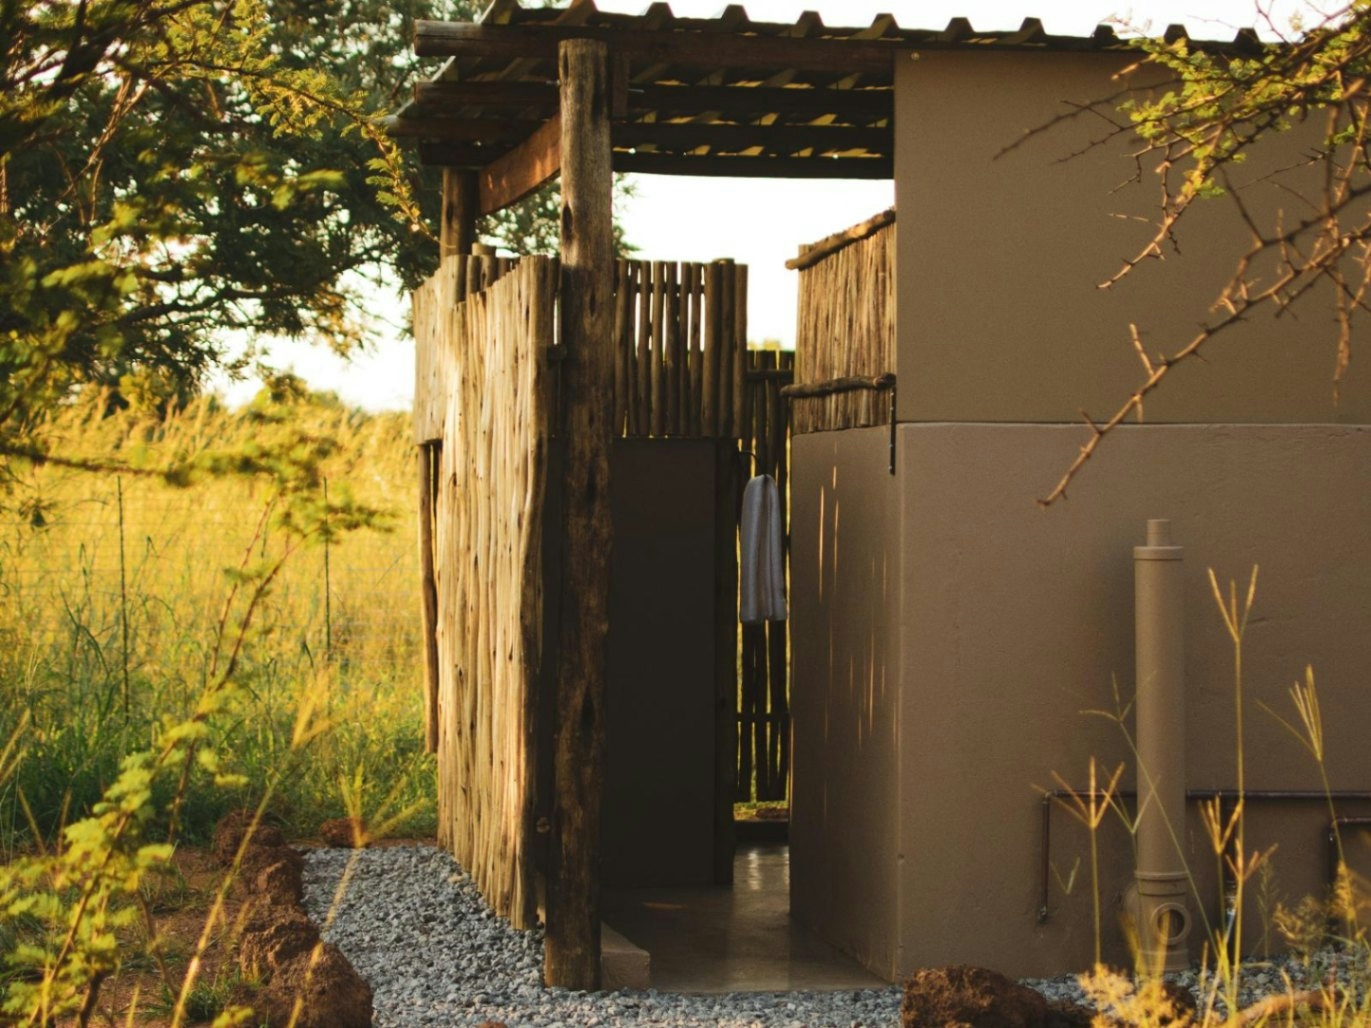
(175, 174)
(1221, 105)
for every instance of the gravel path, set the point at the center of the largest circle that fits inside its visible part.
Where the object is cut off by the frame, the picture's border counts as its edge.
(415, 927)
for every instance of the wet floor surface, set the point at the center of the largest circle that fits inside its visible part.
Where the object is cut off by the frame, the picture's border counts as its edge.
(732, 939)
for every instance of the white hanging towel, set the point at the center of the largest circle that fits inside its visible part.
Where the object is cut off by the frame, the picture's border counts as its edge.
(762, 550)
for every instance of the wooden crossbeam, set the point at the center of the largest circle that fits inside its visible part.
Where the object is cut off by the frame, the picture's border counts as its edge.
(756, 167)
(667, 101)
(450, 154)
(464, 146)
(689, 100)
(542, 95)
(782, 139)
(512, 177)
(702, 49)
(462, 130)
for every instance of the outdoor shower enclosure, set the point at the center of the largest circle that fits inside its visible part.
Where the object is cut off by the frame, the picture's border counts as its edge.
(527, 95)
(692, 413)
(959, 655)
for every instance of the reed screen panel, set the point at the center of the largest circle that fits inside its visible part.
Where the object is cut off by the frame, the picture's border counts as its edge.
(846, 326)
(486, 353)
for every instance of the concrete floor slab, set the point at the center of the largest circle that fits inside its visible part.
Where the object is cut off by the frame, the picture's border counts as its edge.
(732, 939)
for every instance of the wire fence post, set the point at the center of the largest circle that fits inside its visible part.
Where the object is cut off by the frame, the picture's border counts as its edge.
(123, 592)
(328, 589)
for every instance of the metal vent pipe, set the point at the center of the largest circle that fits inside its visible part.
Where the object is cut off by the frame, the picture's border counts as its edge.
(1156, 903)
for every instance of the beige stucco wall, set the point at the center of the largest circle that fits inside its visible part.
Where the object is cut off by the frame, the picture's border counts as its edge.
(957, 647)
(999, 314)
(845, 799)
(965, 634)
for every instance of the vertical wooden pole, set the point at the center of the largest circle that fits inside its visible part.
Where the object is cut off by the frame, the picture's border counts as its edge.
(461, 197)
(726, 499)
(428, 479)
(623, 347)
(709, 404)
(727, 314)
(644, 365)
(456, 234)
(739, 370)
(572, 946)
(658, 370)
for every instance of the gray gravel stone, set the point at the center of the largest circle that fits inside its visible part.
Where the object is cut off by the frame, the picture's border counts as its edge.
(417, 930)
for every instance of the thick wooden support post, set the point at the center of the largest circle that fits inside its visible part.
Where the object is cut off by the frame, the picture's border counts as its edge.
(428, 481)
(572, 946)
(461, 201)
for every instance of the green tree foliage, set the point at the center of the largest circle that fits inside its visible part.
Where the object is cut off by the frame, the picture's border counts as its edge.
(1221, 105)
(176, 175)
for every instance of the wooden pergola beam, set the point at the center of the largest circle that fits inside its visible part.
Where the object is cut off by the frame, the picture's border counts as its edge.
(464, 130)
(710, 165)
(782, 139)
(704, 49)
(668, 136)
(457, 155)
(687, 100)
(449, 154)
(512, 177)
(666, 101)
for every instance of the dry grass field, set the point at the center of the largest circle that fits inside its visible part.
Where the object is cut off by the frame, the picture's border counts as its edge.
(121, 592)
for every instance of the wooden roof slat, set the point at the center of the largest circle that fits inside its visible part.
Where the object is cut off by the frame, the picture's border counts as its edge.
(810, 23)
(882, 25)
(656, 15)
(1031, 31)
(466, 130)
(760, 100)
(957, 30)
(450, 154)
(540, 42)
(501, 12)
(734, 138)
(733, 18)
(711, 165)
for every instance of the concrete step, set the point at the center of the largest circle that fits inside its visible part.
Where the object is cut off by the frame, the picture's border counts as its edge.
(622, 964)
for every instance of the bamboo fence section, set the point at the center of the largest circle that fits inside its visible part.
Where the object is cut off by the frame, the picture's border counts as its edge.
(684, 370)
(764, 680)
(680, 331)
(846, 325)
(432, 304)
(487, 350)
(484, 407)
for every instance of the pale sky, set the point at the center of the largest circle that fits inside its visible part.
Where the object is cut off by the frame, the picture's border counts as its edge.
(762, 223)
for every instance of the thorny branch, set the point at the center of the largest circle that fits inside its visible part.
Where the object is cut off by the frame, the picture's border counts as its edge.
(1219, 107)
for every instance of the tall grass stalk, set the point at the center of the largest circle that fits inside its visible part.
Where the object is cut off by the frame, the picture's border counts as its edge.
(1090, 809)
(1241, 865)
